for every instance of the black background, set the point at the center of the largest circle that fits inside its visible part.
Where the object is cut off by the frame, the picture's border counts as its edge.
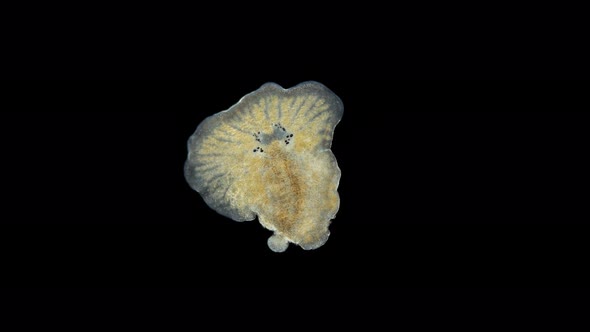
(444, 184)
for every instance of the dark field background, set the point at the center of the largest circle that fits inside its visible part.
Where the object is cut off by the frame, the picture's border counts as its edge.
(444, 184)
(464, 202)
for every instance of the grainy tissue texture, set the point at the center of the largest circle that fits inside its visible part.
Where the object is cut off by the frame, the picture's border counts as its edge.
(269, 156)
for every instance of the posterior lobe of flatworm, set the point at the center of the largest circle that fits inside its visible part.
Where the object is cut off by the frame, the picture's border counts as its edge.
(269, 156)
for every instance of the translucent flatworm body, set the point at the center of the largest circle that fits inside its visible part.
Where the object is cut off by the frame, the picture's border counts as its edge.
(269, 156)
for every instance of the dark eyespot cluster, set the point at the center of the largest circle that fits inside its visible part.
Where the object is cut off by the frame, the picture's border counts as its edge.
(279, 126)
(258, 149)
(256, 136)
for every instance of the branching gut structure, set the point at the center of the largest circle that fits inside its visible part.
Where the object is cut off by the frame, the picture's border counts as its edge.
(269, 156)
